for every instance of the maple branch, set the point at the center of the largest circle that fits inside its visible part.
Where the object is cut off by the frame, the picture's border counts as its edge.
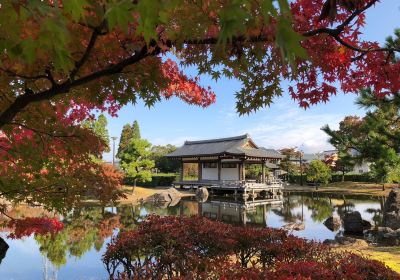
(14, 74)
(23, 100)
(335, 33)
(37, 131)
(92, 41)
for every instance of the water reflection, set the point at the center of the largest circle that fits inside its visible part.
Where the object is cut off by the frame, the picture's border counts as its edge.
(237, 211)
(75, 252)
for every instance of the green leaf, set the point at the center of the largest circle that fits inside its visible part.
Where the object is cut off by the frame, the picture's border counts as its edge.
(75, 8)
(150, 15)
(289, 43)
(267, 9)
(119, 14)
(232, 18)
(29, 50)
(54, 38)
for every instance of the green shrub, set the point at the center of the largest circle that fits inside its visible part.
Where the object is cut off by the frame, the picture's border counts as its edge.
(157, 179)
(364, 177)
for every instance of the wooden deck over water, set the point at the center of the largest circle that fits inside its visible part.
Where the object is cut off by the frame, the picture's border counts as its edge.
(230, 185)
(247, 188)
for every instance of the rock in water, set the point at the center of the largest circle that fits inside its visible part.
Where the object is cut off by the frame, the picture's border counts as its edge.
(333, 223)
(3, 249)
(167, 197)
(202, 194)
(391, 210)
(294, 226)
(353, 223)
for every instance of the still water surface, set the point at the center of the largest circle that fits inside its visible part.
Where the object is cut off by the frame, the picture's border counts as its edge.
(75, 253)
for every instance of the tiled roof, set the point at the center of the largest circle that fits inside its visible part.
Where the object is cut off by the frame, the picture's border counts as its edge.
(224, 146)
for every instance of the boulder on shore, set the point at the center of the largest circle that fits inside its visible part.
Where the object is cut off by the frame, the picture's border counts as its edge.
(353, 223)
(391, 210)
(333, 223)
(385, 236)
(202, 194)
(345, 241)
(168, 197)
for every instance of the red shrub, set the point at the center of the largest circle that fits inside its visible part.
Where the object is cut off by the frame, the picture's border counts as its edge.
(198, 248)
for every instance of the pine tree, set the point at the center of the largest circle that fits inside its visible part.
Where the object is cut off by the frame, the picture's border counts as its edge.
(136, 162)
(129, 132)
(373, 138)
(126, 136)
(135, 130)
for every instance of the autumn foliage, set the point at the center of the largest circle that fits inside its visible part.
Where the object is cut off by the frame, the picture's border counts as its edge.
(63, 61)
(198, 248)
(34, 225)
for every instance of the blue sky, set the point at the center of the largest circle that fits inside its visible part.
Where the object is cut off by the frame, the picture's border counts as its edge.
(283, 124)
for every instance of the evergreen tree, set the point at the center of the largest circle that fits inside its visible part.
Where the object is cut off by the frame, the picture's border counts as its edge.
(136, 162)
(318, 172)
(374, 138)
(162, 163)
(135, 130)
(128, 133)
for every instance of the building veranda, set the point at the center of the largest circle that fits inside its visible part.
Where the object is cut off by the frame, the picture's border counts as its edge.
(221, 166)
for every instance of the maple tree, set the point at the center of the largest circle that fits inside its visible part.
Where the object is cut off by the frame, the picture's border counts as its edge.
(99, 127)
(62, 60)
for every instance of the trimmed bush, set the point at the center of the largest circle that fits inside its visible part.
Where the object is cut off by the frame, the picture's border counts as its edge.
(157, 179)
(174, 247)
(362, 178)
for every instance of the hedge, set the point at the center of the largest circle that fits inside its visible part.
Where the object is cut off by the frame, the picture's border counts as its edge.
(365, 177)
(158, 179)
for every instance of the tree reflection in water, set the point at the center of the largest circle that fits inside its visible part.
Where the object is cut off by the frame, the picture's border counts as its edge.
(84, 229)
(89, 228)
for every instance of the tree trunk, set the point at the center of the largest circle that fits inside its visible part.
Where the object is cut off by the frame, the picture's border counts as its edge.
(343, 176)
(383, 186)
(134, 185)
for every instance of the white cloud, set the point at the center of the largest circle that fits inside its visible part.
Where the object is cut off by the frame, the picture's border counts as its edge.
(293, 127)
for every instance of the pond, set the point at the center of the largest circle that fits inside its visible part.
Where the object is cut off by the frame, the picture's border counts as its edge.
(76, 251)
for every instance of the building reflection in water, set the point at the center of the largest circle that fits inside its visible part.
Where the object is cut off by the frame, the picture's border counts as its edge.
(238, 211)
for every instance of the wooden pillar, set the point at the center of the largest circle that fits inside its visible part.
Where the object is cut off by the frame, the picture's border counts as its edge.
(243, 171)
(263, 171)
(199, 171)
(219, 169)
(181, 175)
(200, 209)
(240, 166)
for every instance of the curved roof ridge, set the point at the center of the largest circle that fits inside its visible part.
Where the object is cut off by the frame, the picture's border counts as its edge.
(234, 138)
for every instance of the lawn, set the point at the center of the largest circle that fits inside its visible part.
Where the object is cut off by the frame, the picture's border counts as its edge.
(346, 188)
(388, 255)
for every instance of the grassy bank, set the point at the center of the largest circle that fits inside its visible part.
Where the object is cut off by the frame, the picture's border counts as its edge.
(346, 188)
(388, 255)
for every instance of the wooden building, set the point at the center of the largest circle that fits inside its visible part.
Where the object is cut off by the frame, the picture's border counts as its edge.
(221, 165)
